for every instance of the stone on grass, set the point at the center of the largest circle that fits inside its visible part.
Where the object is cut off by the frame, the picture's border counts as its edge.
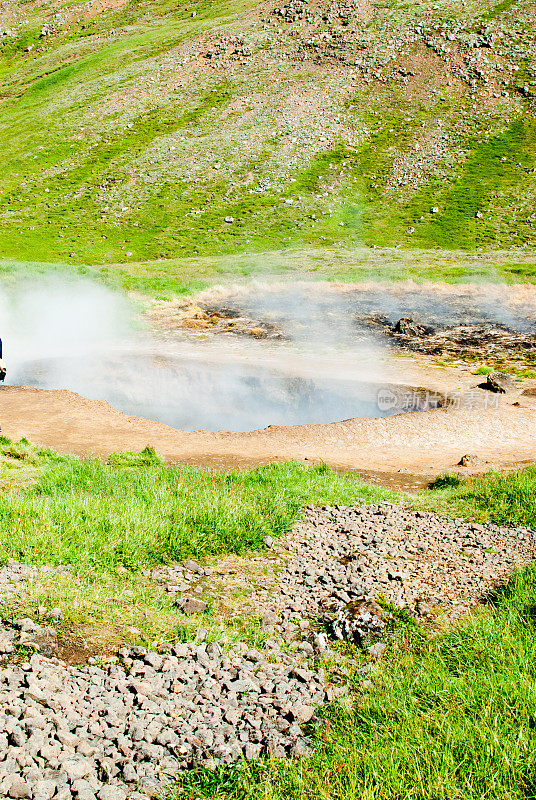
(270, 619)
(375, 650)
(193, 566)
(192, 605)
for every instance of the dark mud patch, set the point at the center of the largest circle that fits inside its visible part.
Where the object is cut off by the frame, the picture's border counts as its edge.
(492, 324)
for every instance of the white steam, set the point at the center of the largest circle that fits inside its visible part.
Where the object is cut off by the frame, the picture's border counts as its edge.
(54, 319)
(81, 336)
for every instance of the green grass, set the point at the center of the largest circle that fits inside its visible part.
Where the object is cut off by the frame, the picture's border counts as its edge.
(170, 278)
(493, 166)
(503, 499)
(491, 170)
(449, 717)
(447, 480)
(138, 513)
(185, 276)
(500, 8)
(22, 462)
(114, 522)
(147, 458)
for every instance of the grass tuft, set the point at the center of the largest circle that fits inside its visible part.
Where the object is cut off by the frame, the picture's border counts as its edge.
(147, 458)
(447, 480)
(502, 499)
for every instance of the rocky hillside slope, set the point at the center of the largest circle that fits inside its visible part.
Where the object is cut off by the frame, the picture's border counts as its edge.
(143, 129)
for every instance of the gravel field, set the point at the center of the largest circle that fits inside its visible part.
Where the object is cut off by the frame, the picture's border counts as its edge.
(124, 728)
(417, 560)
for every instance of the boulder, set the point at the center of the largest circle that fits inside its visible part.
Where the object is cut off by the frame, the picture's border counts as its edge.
(468, 460)
(499, 382)
(408, 327)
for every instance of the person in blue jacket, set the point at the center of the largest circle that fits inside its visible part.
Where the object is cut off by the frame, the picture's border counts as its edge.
(2, 367)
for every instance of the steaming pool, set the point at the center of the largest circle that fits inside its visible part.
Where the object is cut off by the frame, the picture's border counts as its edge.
(82, 337)
(327, 365)
(197, 394)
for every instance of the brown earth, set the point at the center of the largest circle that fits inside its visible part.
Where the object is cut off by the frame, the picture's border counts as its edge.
(405, 451)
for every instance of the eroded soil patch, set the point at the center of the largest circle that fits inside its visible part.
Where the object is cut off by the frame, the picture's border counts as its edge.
(469, 323)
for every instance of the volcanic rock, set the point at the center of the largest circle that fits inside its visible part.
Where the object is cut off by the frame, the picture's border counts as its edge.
(358, 621)
(408, 327)
(499, 382)
(468, 460)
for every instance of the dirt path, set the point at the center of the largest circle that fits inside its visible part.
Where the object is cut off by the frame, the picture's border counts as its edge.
(404, 451)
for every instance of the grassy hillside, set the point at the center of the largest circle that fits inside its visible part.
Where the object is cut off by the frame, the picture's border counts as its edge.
(130, 130)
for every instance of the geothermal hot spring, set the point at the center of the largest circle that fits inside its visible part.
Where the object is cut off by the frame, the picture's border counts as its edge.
(80, 336)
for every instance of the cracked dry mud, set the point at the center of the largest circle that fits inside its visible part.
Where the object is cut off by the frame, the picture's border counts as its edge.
(125, 728)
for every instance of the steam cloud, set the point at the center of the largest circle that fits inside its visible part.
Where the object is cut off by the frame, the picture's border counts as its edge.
(81, 336)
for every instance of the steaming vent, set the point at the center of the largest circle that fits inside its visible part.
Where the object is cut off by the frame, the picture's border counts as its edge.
(322, 361)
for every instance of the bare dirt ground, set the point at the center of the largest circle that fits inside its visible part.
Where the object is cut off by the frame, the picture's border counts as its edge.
(403, 451)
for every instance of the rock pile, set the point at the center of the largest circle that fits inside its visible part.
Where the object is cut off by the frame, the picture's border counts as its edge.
(337, 556)
(346, 32)
(485, 340)
(125, 729)
(40, 637)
